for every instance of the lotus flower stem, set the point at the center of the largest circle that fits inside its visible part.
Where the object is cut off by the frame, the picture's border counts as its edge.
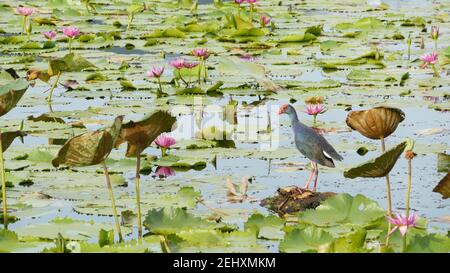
(160, 86)
(388, 192)
(49, 98)
(163, 152)
(435, 44)
(70, 45)
(5, 206)
(138, 195)
(24, 25)
(409, 155)
(113, 202)
(436, 72)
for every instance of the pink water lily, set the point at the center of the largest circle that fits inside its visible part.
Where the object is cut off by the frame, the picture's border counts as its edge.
(201, 53)
(190, 65)
(25, 11)
(165, 141)
(177, 63)
(264, 20)
(49, 34)
(315, 109)
(428, 59)
(164, 172)
(71, 31)
(402, 223)
(155, 72)
(239, 1)
(251, 1)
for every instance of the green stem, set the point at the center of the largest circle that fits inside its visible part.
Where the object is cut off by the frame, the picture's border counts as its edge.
(436, 72)
(181, 77)
(49, 98)
(2, 166)
(200, 65)
(163, 152)
(251, 13)
(314, 120)
(113, 201)
(206, 70)
(138, 195)
(24, 25)
(408, 197)
(70, 45)
(435, 44)
(388, 193)
(160, 86)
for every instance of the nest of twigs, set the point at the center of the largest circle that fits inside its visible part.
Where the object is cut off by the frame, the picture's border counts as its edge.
(293, 199)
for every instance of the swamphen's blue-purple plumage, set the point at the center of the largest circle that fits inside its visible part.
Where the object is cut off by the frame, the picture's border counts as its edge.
(310, 143)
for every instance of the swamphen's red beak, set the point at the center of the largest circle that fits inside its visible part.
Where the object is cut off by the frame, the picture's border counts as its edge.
(282, 109)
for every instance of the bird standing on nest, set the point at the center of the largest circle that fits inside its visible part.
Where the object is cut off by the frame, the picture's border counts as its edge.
(311, 144)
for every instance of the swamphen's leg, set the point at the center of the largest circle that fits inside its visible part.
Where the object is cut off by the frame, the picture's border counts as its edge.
(310, 176)
(316, 172)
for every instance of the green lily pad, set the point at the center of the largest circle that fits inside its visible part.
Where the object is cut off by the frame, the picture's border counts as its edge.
(309, 239)
(344, 209)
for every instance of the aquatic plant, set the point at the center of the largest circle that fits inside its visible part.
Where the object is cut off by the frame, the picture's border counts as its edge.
(402, 223)
(435, 36)
(139, 135)
(93, 148)
(132, 10)
(49, 34)
(10, 94)
(430, 60)
(71, 32)
(378, 123)
(26, 25)
(314, 110)
(164, 142)
(264, 20)
(202, 54)
(157, 72)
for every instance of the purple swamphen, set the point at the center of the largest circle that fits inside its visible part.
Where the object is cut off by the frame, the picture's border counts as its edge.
(311, 144)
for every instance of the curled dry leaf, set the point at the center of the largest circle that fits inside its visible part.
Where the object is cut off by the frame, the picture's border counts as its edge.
(90, 148)
(139, 135)
(443, 187)
(375, 123)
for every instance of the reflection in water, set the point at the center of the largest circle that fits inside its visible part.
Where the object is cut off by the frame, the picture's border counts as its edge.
(164, 172)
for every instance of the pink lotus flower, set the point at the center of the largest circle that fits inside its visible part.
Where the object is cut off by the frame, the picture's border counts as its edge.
(264, 20)
(252, 1)
(201, 53)
(164, 172)
(165, 141)
(434, 32)
(71, 31)
(177, 63)
(190, 65)
(49, 34)
(155, 72)
(239, 1)
(428, 59)
(402, 223)
(315, 109)
(25, 11)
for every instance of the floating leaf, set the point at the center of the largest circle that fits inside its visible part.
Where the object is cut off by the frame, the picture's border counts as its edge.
(379, 166)
(8, 138)
(309, 239)
(344, 209)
